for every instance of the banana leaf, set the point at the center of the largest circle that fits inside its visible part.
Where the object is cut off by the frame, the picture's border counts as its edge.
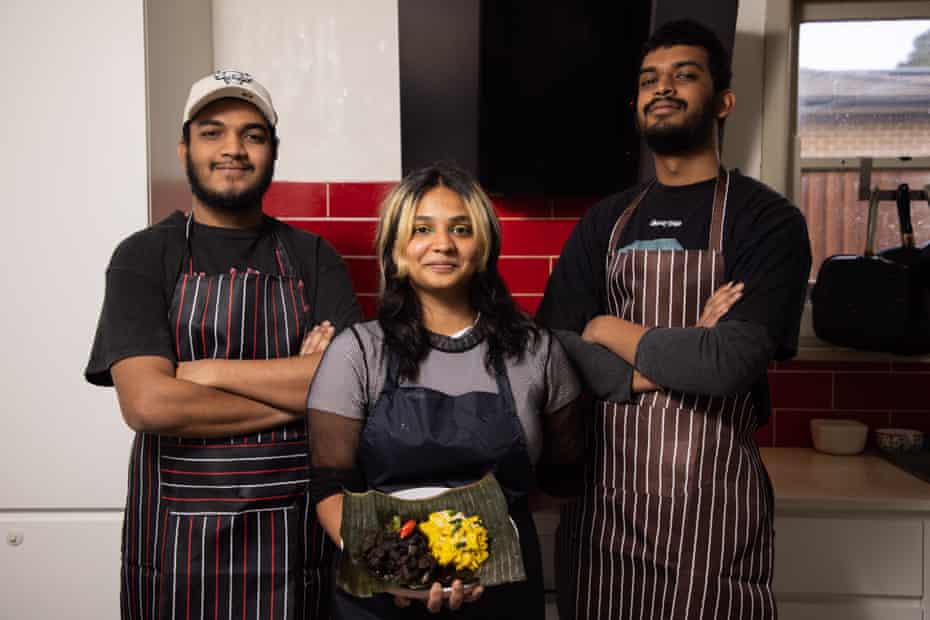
(365, 512)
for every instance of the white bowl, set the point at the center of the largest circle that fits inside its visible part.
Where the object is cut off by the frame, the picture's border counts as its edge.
(838, 436)
(899, 439)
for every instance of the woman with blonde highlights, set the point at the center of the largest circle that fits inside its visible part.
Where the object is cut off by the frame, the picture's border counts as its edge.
(451, 381)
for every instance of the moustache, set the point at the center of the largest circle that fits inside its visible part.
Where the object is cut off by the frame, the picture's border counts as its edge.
(237, 164)
(659, 100)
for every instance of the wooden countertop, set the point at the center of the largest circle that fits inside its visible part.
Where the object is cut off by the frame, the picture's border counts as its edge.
(808, 481)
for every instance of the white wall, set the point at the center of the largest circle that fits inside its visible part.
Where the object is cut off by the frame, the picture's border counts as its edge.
(179, 51)
(75, 166)
(74, 171)
(742, 143)
(332, 69)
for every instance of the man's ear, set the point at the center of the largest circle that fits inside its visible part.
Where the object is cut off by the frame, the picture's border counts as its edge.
(182, 152)
(725, 104)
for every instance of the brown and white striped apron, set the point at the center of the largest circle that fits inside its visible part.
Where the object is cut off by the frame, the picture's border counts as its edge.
(223, 528)
(675, 521)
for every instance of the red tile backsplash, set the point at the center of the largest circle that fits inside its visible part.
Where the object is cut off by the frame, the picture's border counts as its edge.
(285, 199)
(349, 238)
(834, 366)
(801, 390)
(524, 275)
(357, 199)
(919, 420)
(792, 427)
(535, 237)
(528, 303)
(535, 228)
(765, 436)
(902, 391)
(522, 206)
(369, 304)
(364, 274)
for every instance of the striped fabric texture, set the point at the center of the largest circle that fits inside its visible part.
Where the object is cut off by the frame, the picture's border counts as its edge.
(223, 528)
(676, 517)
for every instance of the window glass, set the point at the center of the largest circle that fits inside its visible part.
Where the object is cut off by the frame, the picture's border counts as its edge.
(863, 91)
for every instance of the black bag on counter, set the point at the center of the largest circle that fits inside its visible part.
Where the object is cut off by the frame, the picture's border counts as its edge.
(876, 302)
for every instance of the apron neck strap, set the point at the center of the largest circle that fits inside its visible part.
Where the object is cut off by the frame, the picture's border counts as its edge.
(721, 191)
(281, 256)
(500, 371)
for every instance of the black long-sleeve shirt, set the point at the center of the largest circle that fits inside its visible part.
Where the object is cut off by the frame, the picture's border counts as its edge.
(765, 246)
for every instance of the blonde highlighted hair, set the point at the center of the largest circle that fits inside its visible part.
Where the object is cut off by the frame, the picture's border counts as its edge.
(398, 214)
(507, 331)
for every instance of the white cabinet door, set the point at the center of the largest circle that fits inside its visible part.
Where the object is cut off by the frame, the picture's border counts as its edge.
(838, 556)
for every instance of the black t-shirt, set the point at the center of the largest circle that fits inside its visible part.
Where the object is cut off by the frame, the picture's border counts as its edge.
(144, 269)
(765, 246)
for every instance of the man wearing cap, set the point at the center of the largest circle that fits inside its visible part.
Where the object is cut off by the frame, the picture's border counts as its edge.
(212, 327)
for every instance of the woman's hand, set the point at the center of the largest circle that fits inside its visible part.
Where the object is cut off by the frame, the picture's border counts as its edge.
(457, 597)
(720, 303)
(318, 339)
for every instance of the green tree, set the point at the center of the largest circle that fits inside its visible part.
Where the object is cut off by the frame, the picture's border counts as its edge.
(920, 55)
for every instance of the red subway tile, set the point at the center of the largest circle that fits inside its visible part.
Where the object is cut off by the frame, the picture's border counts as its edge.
(292, 199)
(528, 303)
(369, 305)
(535, 237)
(911, 419)
(525, 275)
(349, 238)
(357, 199)
(910, 366)
(522, 206)
(906, 391)
(573, 207)
(364, 273)
(765, 436)
(793, 430)
(801, 390)
(836, 366)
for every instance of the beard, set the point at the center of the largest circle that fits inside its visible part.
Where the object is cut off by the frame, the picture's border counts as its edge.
(692, 135)
(229, 202)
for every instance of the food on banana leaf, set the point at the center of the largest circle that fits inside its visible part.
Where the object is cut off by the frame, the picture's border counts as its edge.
(446, 546)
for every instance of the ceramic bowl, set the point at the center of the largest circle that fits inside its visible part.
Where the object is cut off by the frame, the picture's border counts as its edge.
(899, 439)
(838, 436)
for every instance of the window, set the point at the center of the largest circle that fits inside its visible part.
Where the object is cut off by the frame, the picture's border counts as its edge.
(863, 90)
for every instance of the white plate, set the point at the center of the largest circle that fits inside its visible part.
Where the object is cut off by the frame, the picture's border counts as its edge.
(419, 492)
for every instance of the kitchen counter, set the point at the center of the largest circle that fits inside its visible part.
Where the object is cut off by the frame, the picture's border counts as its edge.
(808, 481)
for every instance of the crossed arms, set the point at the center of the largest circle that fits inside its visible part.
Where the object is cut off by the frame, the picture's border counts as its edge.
(211, 398)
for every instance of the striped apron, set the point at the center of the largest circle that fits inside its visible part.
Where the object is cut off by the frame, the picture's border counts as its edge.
(223, 528)
(675, 520)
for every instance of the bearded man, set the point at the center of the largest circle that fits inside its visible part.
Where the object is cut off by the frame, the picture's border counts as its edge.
(675, 514)
(212, 327)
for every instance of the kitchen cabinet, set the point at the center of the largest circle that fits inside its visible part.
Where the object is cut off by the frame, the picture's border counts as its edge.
(850, 537)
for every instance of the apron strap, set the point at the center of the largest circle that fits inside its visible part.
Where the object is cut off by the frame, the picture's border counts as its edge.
(281, 255)
(721, 190)
(622, 221)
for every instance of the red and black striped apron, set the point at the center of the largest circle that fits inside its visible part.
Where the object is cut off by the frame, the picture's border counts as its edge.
(223, 528)
(676, 516)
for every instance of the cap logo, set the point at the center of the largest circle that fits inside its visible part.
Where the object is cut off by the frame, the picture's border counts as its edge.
(233, 77)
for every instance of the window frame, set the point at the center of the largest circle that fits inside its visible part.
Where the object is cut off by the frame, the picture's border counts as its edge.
(781, 161)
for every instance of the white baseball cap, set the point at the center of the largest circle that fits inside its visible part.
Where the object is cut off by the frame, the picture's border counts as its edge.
(226, 83)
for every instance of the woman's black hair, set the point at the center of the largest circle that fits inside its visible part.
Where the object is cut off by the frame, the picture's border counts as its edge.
(508, 331)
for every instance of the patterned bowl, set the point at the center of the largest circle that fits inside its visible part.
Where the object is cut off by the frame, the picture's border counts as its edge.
(899, 439)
